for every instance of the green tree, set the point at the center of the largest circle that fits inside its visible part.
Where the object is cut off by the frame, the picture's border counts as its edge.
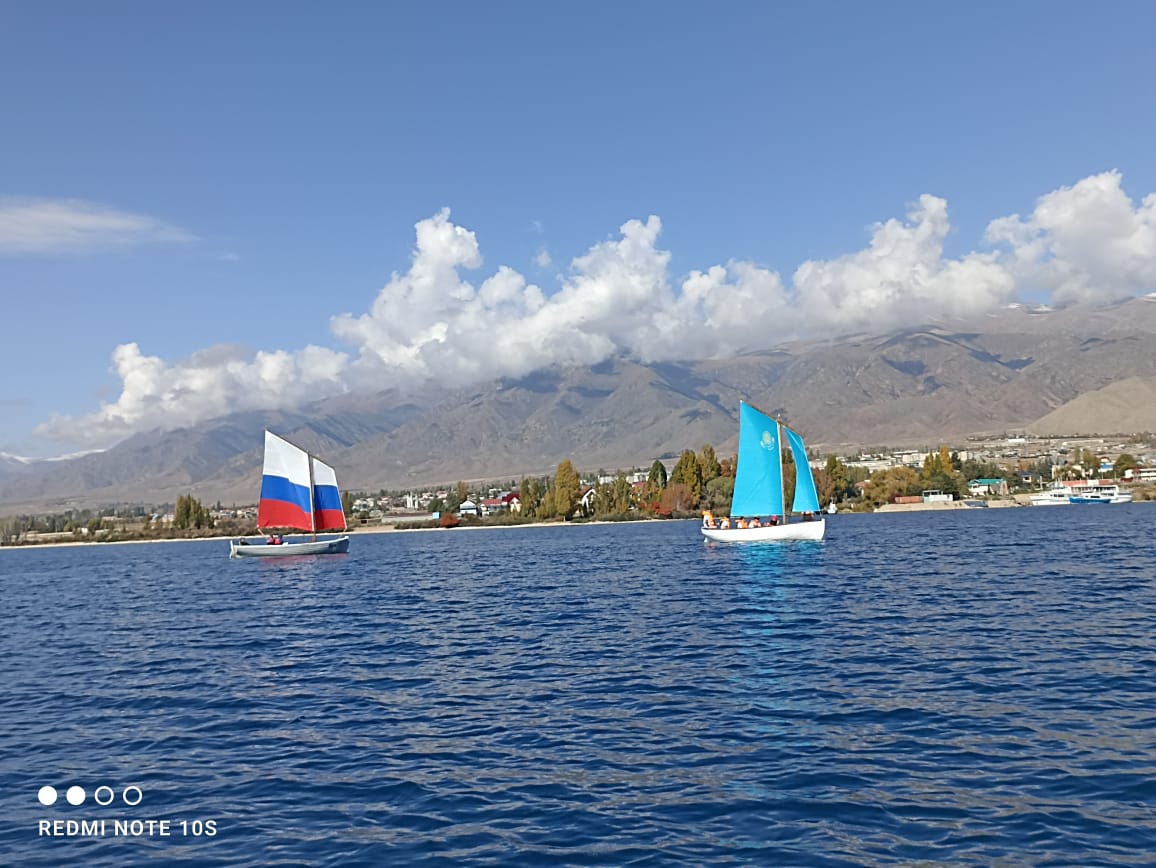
(546, 508)
(347, 502)
(613, 498)
(182, 513)
(1088, 461)
(886, 485)
(719, 493)
(530, 494)
(708, 463)
(974, 469)
(939, 474)
(729, 466)
(1124, 462)
(656, 480)
(567, 489)
(687, 472)
(190, 513)
(836, 472)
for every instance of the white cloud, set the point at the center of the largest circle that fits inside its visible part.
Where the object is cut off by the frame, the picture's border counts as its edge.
(431, 323)
(30, 225)
(1084, 243)
(543, 260)
(901, 277)
(211, 383)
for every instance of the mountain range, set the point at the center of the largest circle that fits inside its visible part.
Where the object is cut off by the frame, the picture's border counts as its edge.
(1022, 370)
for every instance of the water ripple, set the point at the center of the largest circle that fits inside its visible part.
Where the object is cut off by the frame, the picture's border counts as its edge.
(972, 688)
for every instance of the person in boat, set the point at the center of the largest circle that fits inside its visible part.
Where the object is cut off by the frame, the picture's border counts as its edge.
(808, 516)
(741, 523)
(754, 522)
(274, 539)
(774, 520)
(725, 523)
(708, 519)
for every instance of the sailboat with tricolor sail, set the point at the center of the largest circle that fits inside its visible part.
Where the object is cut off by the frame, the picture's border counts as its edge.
(298, 491)
(758, 509)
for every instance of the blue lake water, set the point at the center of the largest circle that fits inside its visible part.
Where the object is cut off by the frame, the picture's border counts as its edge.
(972, 687)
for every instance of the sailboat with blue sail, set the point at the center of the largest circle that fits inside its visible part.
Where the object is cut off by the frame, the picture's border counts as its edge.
(298, 491)
(758, 509)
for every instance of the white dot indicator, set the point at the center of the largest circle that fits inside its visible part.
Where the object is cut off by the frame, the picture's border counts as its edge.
(132, 795)
(75, 795)
(47, 795)
(103, 795)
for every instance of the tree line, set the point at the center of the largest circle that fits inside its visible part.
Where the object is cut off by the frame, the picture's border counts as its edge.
(699, 480)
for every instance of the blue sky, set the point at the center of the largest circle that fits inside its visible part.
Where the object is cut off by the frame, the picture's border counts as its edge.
(219, 183)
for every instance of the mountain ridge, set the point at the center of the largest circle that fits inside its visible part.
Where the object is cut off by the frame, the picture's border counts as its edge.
(1018, 370)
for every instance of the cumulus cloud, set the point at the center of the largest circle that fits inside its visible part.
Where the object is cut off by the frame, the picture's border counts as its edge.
(1084, 243)
(211, 383)
(433, 323)
(30, 225)
(902, 277)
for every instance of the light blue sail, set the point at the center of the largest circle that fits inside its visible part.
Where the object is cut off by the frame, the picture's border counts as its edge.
(759, 475)
(806, 496)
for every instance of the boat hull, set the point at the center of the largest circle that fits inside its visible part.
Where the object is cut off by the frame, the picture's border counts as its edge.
(1103, 498)
(798, 530)
(240, 549)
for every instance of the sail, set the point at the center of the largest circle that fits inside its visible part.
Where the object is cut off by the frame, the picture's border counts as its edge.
(759, 476)
(806, 496)
(327, 509)
(285, 497)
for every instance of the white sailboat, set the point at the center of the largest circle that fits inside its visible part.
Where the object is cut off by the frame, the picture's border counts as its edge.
(759, 486)
(297, 491)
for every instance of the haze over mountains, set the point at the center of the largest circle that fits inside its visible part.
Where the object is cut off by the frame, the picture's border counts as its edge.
(1075, 370)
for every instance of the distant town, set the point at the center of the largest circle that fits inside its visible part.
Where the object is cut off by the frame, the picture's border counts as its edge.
(994, 471)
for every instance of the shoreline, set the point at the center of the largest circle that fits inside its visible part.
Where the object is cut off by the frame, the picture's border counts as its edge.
(353, 534)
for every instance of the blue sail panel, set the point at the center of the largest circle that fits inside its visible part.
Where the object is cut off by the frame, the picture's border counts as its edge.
(759, 476)
(806, 496)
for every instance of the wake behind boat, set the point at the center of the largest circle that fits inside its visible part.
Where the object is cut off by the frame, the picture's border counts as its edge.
(298, 491)
(758, 509)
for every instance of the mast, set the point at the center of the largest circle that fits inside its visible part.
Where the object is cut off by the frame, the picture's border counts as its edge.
(312, 505)
(782, 480)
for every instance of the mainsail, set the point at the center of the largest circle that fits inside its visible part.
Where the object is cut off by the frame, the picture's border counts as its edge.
(759, 476)
(297, 490)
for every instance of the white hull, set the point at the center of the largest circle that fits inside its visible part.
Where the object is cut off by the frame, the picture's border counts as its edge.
(1102, 498)
(1050, 500)
(242, 549)
(797, 530)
